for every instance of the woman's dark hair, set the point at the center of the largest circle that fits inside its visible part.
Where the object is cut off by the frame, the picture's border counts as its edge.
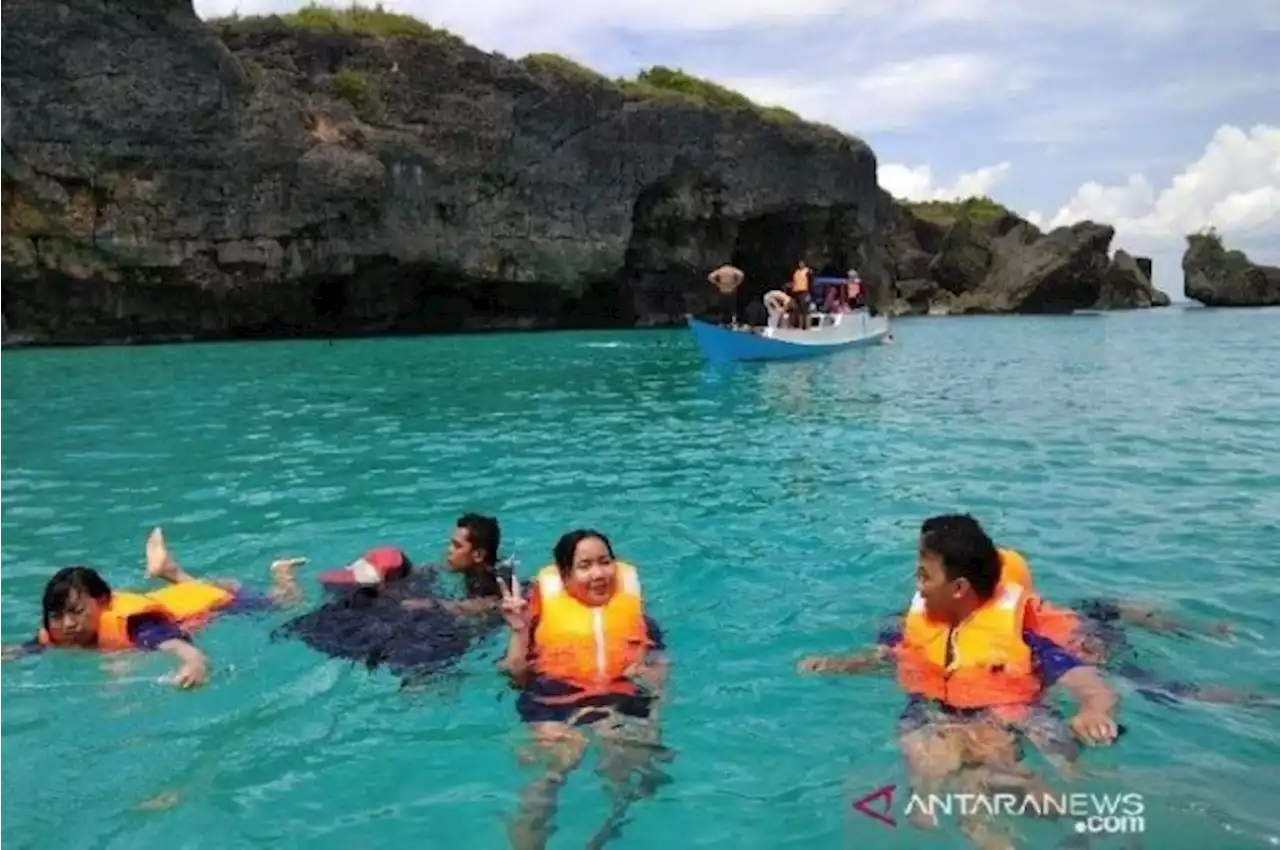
(84, 580)
(965, 551)
(567, 545)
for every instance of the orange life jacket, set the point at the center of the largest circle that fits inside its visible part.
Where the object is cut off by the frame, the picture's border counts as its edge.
(190, 604)
(589, 647)
(800, 280)
(988, 663)
(1015, 569)
(1060, 625)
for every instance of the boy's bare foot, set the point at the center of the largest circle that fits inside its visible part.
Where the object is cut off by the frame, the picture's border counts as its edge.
(284, 583)
(285, 569)
(159, 564)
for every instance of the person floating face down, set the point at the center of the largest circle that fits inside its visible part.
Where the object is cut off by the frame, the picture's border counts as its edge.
(80, 610)
(384, 612)
(586, 656)
(974, 668)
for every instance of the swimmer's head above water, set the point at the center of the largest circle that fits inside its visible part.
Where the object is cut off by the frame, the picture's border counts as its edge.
(957, 567)
(473, 552)
(72, 604)
(587, 566)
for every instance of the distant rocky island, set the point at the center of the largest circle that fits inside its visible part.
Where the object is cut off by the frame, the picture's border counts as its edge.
(1217, 277)
(356, 172)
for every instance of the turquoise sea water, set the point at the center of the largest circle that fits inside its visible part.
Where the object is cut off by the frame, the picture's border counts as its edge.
(773, 510)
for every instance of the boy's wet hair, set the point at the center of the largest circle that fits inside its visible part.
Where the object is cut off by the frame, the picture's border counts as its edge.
(84, 580)
(965, 551)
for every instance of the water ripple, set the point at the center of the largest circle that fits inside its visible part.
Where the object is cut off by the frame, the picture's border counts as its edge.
(773, 510)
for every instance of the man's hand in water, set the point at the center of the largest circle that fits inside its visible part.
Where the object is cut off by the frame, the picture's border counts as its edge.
(1094, 727)
(1095, 722)
(856, 663)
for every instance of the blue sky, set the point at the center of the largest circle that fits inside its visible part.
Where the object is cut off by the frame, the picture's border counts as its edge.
(1158, 116)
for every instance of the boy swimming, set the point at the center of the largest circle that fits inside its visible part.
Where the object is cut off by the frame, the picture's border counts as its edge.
(80, 610)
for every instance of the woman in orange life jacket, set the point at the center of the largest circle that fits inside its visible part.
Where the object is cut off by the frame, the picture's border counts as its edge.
(585, 656)
(80, 610)
(973, 667)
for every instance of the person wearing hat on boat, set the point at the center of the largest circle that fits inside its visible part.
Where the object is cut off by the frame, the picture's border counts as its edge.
(586, 656)
(855, 290)
(80, 610)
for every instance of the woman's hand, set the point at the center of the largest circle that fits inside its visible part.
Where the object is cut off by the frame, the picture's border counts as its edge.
(515, 608)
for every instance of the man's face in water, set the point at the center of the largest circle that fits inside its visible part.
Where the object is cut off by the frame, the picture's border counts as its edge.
(460, 555)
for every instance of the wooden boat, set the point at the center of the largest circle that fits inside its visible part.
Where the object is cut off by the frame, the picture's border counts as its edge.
(827, 334)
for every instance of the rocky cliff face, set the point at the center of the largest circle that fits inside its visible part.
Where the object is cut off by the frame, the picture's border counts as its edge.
(164, 179)
(977, 258)
(1217, 277)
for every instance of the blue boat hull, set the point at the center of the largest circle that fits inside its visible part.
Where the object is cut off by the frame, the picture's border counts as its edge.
(720, 344)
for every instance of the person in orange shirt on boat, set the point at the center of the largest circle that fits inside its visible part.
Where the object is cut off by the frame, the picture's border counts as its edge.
(586, 656)
(798, 289)
(80, 610)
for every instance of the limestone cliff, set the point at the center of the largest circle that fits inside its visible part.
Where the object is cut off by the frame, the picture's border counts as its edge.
(1217, 277)
(977, 257)
(164, 179)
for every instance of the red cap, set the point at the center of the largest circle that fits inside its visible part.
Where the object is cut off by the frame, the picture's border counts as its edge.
(383, 564)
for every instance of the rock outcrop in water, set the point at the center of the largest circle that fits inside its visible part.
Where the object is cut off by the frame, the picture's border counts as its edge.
(1217, 277)
(977, 257)
(164, 179)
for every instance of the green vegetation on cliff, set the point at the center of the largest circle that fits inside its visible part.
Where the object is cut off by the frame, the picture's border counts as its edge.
(658, 82)
(354, 19)
(1207, 245)
(979, 209)
(563, 66)
(355, 88)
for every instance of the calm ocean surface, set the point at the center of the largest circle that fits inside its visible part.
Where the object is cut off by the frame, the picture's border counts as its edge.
(772, 509)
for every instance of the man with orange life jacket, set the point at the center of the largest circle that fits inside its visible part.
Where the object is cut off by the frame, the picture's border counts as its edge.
(798, 289)
(1091, 632)
(80, 610)
(973, 666)
(584, 653)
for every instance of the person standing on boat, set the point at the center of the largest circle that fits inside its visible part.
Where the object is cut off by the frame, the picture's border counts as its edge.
(727, 279)
(801, 283)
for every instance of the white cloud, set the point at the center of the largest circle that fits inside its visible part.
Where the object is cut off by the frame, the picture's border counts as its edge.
(891, 96)
(918, 183)
(1234, 186)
